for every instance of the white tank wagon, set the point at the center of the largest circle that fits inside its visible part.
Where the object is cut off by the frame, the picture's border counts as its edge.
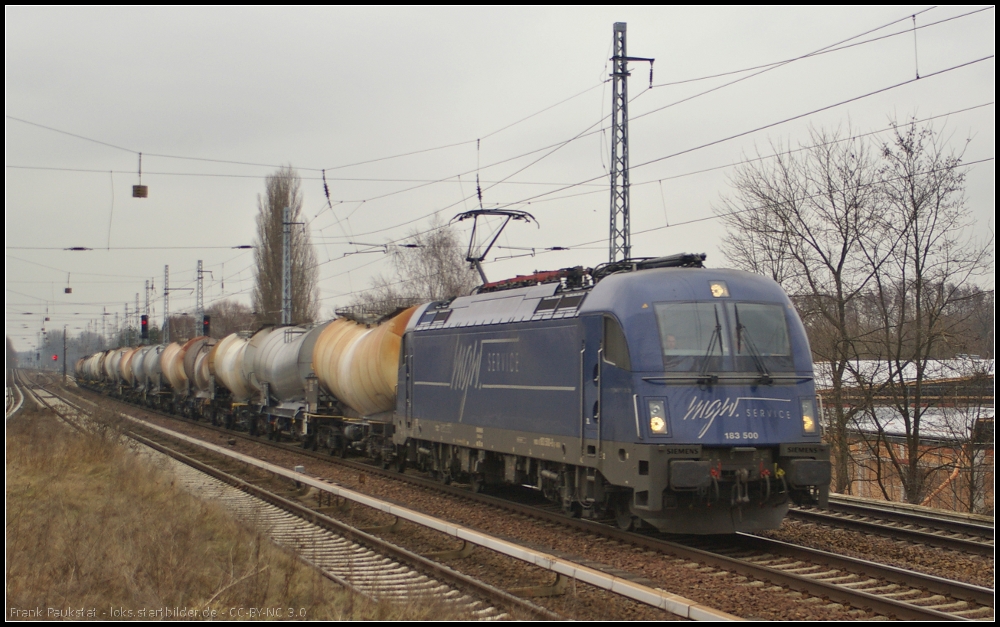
(247, 365)
(225, 363)
(282, 366)
(93, 367)
(112, 365)
(152, 367)
(139, 367)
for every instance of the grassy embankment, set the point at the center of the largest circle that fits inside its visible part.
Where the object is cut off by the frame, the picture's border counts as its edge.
(91, 527)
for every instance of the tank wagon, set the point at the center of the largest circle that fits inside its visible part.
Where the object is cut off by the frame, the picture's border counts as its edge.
(657, 392)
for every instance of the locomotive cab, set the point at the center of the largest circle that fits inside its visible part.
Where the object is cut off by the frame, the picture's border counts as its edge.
(724, 431)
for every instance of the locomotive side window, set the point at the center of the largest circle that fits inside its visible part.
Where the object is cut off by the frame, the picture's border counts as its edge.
(615, 346)
(690, 334)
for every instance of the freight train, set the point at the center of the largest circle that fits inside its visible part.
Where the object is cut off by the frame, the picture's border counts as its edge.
(654, 392)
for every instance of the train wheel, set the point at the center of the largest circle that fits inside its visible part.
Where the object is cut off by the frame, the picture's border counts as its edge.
(478, 483)
(623, 517)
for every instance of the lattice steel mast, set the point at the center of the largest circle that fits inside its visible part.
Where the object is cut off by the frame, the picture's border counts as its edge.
(620, 242)
(199, 296)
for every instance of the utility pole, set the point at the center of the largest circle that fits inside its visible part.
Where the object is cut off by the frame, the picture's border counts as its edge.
(166, 304)
(286, 265)
(199, 296)
(64, 352)
(621, 228)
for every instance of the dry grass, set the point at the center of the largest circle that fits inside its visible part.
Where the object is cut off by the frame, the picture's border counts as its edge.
(92, 529)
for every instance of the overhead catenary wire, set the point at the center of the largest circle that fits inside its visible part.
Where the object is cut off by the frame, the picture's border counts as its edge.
(830, 48)
(538, 199)
(549, 198)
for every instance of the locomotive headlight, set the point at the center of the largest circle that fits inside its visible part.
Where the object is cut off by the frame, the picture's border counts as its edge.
(809, 423)
(658, 417)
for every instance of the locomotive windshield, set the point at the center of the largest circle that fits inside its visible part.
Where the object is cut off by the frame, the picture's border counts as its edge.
(714, 337)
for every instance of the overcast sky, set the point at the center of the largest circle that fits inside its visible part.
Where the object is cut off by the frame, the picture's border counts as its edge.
(230, 94)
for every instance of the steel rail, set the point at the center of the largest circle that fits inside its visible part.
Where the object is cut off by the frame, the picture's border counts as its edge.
(920, 536)
(887, 606)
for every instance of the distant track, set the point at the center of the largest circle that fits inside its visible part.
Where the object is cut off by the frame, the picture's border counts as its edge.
(922, 528)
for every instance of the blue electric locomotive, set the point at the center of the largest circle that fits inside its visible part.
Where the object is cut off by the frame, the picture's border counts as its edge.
(681, 397)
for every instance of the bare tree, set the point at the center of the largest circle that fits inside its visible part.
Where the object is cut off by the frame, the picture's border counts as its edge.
(229, 316)
(807, 218)
(283, 189)
(183, 327)
(430, 267)
(936, 257)
(874, 248)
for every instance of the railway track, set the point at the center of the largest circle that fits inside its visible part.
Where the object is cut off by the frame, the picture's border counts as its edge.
(889, 591)
(904, 594)
(924, 528)
(350, 557)
(377, 568)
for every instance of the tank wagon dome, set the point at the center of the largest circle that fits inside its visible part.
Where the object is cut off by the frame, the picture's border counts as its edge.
(359, 365)
(225, 362)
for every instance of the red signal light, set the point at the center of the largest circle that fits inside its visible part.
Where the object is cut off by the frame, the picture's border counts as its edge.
(55, 358)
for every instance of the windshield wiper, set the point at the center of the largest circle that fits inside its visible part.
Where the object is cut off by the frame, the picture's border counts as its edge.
(716, 338)
(741, 331)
